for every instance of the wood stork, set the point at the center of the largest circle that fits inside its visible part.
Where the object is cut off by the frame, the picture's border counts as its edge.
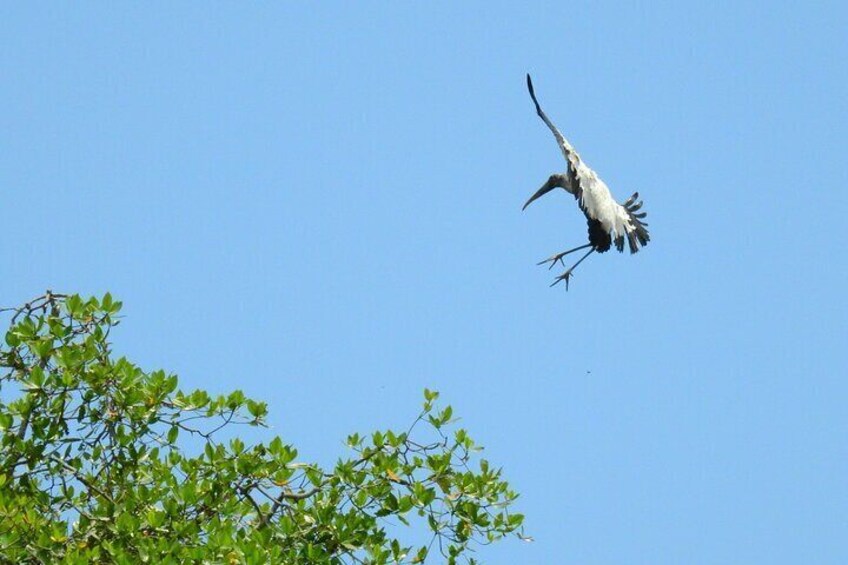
(609, 221)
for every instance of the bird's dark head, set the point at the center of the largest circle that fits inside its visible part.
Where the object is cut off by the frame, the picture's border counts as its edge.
(554, 181)
(557, 180)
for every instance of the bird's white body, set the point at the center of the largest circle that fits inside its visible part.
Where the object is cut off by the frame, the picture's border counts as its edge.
(597, 201)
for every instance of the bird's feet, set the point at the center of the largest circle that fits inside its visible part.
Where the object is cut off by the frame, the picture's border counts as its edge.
(553, 260)
(566, 276)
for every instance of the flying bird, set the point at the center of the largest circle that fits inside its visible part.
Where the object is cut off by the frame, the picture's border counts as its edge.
(609, 221)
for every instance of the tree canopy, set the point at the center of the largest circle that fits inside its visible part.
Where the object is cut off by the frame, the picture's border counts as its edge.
(104, 462)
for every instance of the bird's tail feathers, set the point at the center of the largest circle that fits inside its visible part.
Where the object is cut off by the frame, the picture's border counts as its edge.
(638, 236)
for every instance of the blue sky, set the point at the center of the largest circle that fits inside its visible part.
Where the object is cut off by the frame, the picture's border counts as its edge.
(321, 205)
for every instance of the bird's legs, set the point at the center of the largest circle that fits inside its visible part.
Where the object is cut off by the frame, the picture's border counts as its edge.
(568, 274)
(558, 257)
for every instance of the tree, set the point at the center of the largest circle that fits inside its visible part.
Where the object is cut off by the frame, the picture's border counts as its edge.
(102, 462)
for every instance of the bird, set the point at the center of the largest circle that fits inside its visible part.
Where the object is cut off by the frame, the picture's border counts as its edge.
(609, 222)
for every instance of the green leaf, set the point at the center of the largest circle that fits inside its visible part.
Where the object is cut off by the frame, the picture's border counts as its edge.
(73, 304)
(12, 340)
(446, 414)
(421, 555)
(257, 409)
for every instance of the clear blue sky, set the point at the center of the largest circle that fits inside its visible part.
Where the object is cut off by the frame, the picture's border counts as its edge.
(321, 205)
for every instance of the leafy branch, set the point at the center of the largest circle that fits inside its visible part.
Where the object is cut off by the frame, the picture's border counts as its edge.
(92, 468)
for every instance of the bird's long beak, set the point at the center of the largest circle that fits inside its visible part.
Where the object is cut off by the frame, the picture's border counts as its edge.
(546, 188)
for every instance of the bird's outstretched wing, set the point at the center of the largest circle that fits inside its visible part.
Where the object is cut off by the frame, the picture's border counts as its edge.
(571, 156)
(571, 181)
